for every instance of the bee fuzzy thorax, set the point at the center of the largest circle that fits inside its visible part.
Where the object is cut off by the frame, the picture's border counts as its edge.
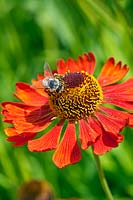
(52, 84)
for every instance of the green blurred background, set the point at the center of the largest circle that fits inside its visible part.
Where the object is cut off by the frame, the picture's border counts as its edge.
(35, 31)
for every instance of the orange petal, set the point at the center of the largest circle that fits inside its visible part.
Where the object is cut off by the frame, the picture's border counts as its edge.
(29, 95)
(87, 134)
(68, 151)
(130, 119)
(11, 110)
(19, 111)
(21, 139)
(11, 131)
(112, 73)
(47, 142)
(24, 126)
(15, 109)
(106, 142)
(26, 118)
(87, 62)
(38, 86)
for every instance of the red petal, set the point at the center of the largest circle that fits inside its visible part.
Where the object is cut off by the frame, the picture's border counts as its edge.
(109, 124)
(29, 95)
(70, 65)
(122, 104)
(125, 87)
(106, 142)
(61, 66)
(87, 134)
(68, 151)
(19, 139)
(112, 73)
(40, 77)
(121, 97)
(47, 142)
(95, 125)
(87, 62)
(123, 91)
(115, 114)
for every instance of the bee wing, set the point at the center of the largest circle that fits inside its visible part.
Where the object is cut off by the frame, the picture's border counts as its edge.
(37, 84)
(47, 71)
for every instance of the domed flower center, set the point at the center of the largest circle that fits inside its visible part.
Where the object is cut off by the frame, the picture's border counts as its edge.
(79, 98)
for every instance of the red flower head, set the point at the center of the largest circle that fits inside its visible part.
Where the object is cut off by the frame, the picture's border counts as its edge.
(71, 104)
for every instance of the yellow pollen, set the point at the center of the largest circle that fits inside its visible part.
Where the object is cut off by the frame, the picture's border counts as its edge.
(78, 102)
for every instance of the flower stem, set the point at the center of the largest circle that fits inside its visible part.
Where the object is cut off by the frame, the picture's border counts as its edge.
(103, 179)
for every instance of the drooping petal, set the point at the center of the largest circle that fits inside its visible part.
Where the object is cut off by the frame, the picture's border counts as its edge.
(68, 151)
(115, 114)
(106, 142)
(18, 139)
(85, 62)
(17, 104)
(112, 73)
(24, 126)
(27, 124)
(47, 142)
(87, 135)
(13, 110)
(22, 114)
(95, 125)
(110, 124)
(29, 95)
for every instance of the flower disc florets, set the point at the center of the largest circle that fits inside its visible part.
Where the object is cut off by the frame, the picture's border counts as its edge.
(80, 98)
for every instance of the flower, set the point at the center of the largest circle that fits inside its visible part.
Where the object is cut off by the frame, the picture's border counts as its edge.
(72, 107)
